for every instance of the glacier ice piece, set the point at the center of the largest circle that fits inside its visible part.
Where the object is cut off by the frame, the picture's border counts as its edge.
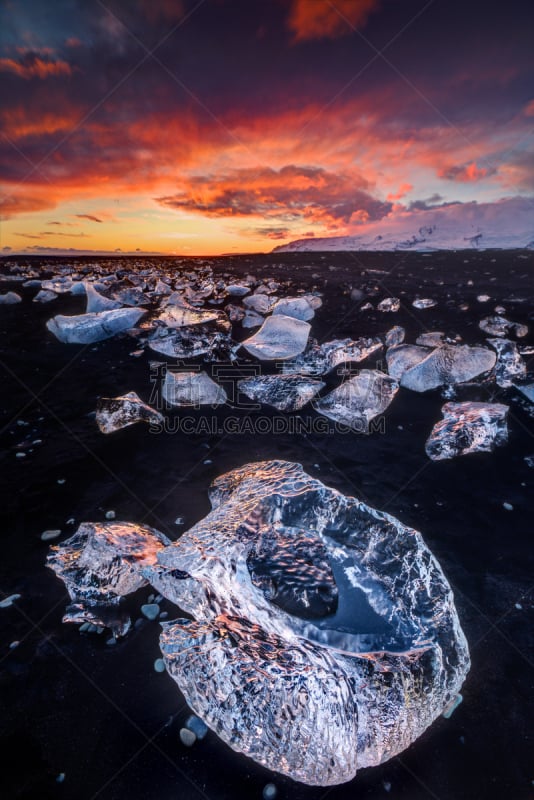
(297, 307)
(359, 400)
(324, 637)
(260, 303)
(527, 389)
(114, 413)
(192, 341)
(283, 392)
(424, 302)
(447, 365)
(391, 304)
(319, 359)
(394, 336)
(251, 319)
(191, 389)
(174, 316)
(10, 298)
(89, 328)
(499, 326)
(237, 290)
(510, 364)
(403, 357)
(279, 337)
(431, 339)
(97, 301)
(44, 296)
(467, 428)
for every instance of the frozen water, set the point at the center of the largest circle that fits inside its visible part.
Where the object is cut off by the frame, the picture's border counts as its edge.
(320, 359)
(467, 428)
(297, 307)
(97, 301)
(283, 392)
(279, 337)
(191, 341)
(424, 302)
(322, 635)
(431, 338)
(499, 326)
(527, 389)
(389, 304)
(10, 298)
(174, 316)
(359, 400)
(251, 319)
(446, 365)
(261, 303)
(114, 413)
(394, 336)
(403, 357)
(191, 389)
(89, 328)
(510, 365)
(44, 296)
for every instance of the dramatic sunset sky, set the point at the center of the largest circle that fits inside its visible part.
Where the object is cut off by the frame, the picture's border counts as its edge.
(213, 126)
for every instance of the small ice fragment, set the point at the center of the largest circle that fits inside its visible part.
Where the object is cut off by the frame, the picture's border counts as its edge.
(93, 327)
(60, 778)
(269, 791)
(20, 455)
(197, 726)
(8, 601)
(14, 645)
(453, 705)
(44, 296)
(518, 606)
(483, 298)
(110, 515)
(387, 786)
(115, 413)
(10, 298)
(508, 506)
(187, 737)
(192, 389)
(61, 481)
(159, 665)
(179, 521)
(390, 304)
(150, 610)
(424, 302)
(48, 536)
(279, 337)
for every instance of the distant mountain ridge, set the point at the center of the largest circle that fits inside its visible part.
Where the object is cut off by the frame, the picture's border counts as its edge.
(507, 224)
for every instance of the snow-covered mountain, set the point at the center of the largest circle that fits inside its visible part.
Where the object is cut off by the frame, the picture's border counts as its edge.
(505, 224)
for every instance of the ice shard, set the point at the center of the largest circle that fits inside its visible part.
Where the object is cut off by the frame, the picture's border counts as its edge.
(359, 400)
(424, 302)
(500, 326)
(90, 328)
(319, 359)
(191, 389)
(403, 357)
(279, 337)
(191, 341)
(297, 307)
(467, 428)
(97, 301)
(510, 365)
(283, 392)
(448, 365)
(390, 304)
(322, 635)
(260, 303)
(114, 413)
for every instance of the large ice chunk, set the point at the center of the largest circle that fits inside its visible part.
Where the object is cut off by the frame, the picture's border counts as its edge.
(97, 301)
(322, 635)
(114, 413)
(467, 428)
(359, 400)
(279, 337)
(297, 307)
(510, 364)
(322, 358)
(89, 328)
(448, 365)
(191, 389)
(499, 326)
(403, 357)
(283, 392)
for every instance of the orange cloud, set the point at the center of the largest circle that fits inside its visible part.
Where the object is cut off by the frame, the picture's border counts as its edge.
(403, 190)
(466, 173)
(35, 65)
(13, 205)
(321, 19)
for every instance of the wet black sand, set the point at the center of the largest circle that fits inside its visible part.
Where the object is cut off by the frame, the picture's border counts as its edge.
(101, 715)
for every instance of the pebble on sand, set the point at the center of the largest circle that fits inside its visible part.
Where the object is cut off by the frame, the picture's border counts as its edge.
(150, 610)
(187, 737)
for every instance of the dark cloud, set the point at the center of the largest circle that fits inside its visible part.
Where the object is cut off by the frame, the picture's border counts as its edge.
(90, 217)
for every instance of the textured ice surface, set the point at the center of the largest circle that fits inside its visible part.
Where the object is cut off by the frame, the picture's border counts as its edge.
(467, 428)
(510, 365)
(261, 303)
(297, 307)
(97, 301)
(431, 338)
(89, 328)
(174, 316)
(359, 400)
(321, 358)
(114, 413)
(10, 298)
(499, 326)
(192, 341)
(424, 302)
(527, 389)
(448, 365)
(191, 389)
(324, 636)
(44, 296)
(394, 336)
(283, 392)
(251, 319)
(403, 357)
(389, 304)
(279, 337)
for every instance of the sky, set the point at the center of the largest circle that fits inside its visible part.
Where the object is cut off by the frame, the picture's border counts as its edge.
(200, 127)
